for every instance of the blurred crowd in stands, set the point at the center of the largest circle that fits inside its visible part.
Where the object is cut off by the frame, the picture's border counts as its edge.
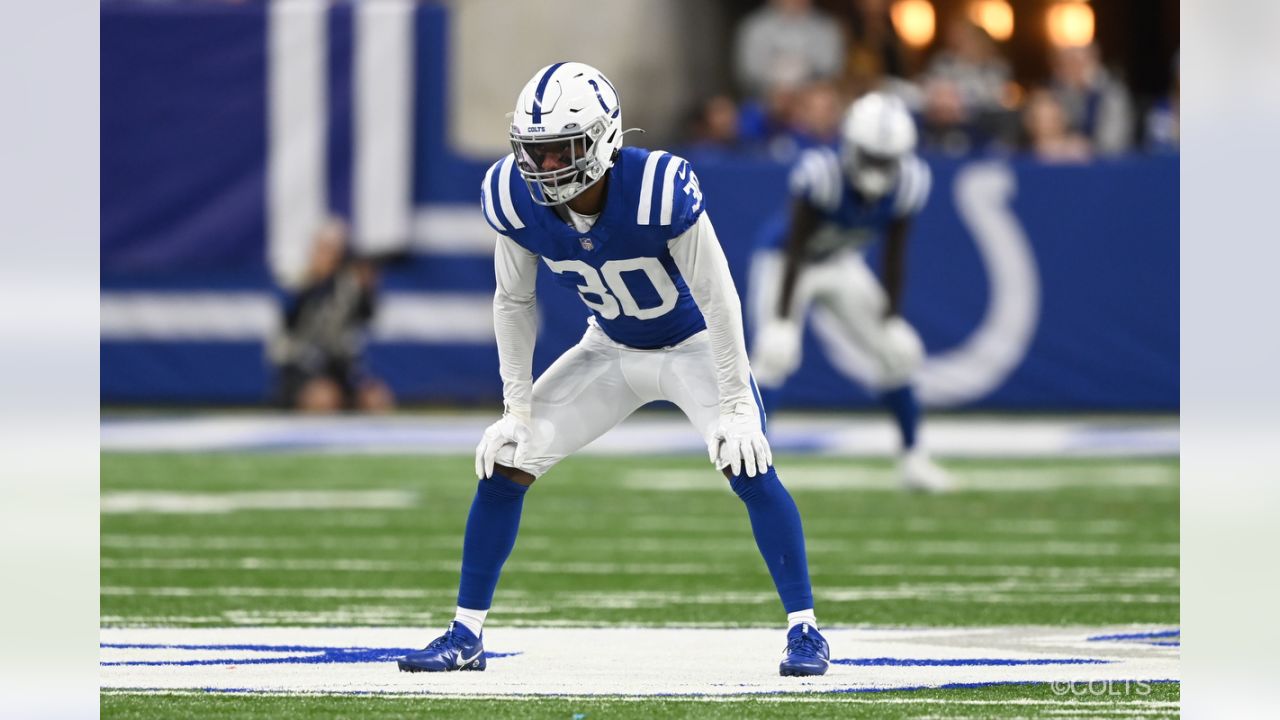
(796, 68)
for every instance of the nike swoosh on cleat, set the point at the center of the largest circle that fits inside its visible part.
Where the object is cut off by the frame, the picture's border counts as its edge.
(463, 662)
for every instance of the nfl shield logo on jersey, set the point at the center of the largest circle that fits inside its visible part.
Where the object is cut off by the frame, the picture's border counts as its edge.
(586, 243)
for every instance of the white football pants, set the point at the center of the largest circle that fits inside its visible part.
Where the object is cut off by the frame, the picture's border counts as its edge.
(843, 287)
(597, 383)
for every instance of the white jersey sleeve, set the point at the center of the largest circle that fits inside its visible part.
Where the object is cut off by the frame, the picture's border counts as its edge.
(700, 259)
(515, 323)
(913, 187)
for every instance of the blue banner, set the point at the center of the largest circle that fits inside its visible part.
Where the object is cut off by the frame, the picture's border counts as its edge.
(1032, 286)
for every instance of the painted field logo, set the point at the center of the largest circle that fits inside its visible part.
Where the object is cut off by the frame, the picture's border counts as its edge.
(641, 661)
(252, 654)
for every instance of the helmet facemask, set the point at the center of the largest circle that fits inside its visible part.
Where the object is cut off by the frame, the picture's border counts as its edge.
(877, 135)
(873, 175)
(558, 168)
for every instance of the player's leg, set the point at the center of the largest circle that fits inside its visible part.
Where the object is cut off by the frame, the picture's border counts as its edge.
(853, 296)
(687, 378)
(580, 397)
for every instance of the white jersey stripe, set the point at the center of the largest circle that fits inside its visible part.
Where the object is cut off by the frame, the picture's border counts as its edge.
(836, 177)
(646, 187)
(926, 184)
(830, 182)
(906, 182)
(809, 171)
(669, 189)
(908, 187)
(504, 191)
(487, 201)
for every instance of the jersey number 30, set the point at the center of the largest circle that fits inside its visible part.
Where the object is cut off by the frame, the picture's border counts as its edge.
(612, 289)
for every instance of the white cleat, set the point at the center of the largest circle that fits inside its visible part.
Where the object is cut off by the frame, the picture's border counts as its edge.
(919, 473)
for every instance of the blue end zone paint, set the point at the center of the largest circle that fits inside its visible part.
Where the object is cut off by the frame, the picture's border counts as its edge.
(316, 655)
(962, 662)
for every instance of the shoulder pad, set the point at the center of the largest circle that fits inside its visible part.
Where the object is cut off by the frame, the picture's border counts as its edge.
(497, 197)
(818, 179)
(669, 193)
(913, 187)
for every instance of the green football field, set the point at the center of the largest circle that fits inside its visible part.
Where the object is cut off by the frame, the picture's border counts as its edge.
(261, 541)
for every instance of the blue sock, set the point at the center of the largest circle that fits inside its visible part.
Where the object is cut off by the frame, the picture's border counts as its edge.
(490, 536)
(775, 521)
(906, 410)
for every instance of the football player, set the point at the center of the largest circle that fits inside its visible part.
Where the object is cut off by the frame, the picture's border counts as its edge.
(842, 200)
(627, 230)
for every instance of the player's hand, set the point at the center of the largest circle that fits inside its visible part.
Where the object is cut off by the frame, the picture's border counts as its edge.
(509, 430)
(777, 351)
(740, 443)
(902, 351)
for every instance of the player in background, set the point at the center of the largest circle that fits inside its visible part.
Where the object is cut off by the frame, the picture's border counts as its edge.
(842, 200)
(625, 228)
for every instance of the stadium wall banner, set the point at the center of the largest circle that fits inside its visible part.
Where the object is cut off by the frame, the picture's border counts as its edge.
(230, 131)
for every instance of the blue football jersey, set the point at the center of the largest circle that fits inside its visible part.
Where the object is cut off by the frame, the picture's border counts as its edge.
(621, 267)
(819, 179)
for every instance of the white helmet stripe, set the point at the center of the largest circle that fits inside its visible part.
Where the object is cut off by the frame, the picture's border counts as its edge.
(669, 190)
(504, 192)
(646, 187)
(487, 200)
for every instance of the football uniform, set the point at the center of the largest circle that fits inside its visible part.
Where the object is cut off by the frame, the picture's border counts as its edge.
(649, 271)
(664, 323)
(834, 275)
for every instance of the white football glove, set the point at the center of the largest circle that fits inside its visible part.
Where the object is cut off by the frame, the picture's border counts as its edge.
(739, 442)
(509, 430)
(901, 352)
(777, 351)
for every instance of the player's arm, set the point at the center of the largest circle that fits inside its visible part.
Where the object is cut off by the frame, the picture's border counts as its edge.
(515, 325)
(701, 261)
(776, 350)
(804, 223)
(913, 194)
(895, 258)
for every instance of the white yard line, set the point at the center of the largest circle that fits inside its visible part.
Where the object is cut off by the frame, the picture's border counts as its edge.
(1014, 592)
(220, 503)
(650, 434)
(1011, 575)
(835, 479)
